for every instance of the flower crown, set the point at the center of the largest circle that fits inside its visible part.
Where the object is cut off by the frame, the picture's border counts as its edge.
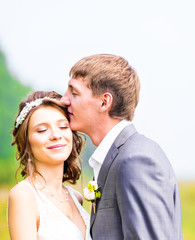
(27, 109)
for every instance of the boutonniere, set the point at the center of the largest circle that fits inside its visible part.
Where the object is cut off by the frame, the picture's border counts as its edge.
(92, 192)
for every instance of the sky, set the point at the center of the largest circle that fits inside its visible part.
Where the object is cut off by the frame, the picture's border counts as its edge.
(42, 39)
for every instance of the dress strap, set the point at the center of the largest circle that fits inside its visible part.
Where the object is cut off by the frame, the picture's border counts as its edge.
(82, 211)
(38, 197)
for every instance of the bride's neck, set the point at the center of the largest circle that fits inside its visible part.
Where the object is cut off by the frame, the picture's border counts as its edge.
(50, 178)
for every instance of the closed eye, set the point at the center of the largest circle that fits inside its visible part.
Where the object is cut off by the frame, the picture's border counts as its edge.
(65, 127)
(41, 131)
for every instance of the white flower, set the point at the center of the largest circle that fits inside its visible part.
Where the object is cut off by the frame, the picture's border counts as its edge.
(91, 193)
(88, 194)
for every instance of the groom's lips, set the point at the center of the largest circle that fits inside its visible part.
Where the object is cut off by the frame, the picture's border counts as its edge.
(70, 114)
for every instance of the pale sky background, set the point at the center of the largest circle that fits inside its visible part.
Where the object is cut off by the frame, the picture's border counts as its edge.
(42, 39)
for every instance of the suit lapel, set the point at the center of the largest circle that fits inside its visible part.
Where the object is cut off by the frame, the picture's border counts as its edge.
(112, 153)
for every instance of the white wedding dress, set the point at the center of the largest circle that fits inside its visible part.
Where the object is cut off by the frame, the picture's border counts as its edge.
(54, 225)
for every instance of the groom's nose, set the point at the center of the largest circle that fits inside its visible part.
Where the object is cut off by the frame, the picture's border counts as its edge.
(65, 99)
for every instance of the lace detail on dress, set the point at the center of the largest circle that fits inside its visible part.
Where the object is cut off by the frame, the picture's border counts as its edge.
(54, 225)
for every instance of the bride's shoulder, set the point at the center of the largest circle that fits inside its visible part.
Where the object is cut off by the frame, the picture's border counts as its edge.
(21, 192)
(20, 198)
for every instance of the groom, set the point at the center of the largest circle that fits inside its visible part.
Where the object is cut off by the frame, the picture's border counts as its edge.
(140, 196)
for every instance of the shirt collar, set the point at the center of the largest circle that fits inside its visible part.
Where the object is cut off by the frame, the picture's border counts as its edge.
(103, 148)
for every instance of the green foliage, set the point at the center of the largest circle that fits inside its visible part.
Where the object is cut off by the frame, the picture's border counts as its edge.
(187, 192)
(4, 233)
(11, 93)
(7, 171)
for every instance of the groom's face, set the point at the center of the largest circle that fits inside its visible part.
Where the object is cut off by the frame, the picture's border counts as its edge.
(83, 107)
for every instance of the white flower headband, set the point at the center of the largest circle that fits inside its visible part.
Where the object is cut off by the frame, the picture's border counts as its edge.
(27, 109)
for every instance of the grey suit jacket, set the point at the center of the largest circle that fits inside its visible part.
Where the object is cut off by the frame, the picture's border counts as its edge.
(140, 196)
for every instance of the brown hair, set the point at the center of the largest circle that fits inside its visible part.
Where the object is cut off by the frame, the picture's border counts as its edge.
(110, 73)
(72, 169)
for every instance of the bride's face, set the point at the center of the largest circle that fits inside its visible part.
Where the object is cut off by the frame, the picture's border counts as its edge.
(50, 136)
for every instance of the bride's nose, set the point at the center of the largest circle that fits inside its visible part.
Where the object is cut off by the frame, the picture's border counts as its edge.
(54, 136)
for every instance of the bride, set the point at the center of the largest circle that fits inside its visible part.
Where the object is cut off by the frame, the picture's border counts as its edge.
(41, 206)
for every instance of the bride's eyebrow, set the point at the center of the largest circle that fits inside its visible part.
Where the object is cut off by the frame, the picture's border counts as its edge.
(63, 121)
(38, 125)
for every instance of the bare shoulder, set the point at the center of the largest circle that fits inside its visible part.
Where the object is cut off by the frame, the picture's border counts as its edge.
(20, 189)
(23, 214)
(20, 198)
(21, 193)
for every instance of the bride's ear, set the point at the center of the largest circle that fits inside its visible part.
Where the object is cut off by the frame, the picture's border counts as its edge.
(106, 102)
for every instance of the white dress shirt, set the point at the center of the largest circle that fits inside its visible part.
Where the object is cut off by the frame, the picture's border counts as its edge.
(97, 159)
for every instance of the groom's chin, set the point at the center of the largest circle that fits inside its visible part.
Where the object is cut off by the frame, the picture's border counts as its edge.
(74, 126)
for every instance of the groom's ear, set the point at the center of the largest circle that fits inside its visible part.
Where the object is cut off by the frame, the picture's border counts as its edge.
(106, 102)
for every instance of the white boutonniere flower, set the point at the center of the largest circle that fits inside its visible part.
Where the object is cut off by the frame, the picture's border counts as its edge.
(92, 192)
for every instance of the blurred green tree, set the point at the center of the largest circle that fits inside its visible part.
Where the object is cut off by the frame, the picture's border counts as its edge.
(11, 93)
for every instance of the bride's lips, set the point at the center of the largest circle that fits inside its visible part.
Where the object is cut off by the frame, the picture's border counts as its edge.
(57, 146)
